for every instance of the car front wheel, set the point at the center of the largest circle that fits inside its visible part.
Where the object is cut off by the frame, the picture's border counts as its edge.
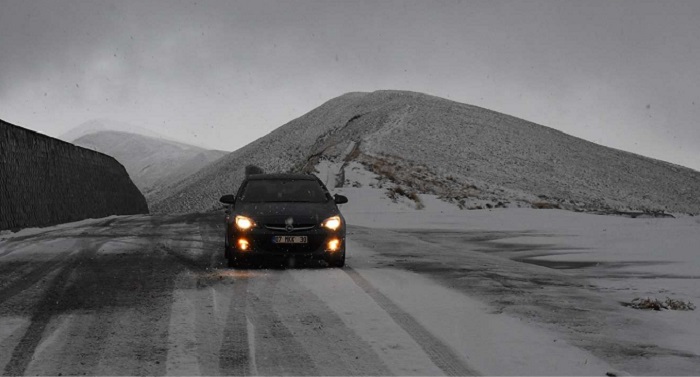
(235, 260)
(336, 260)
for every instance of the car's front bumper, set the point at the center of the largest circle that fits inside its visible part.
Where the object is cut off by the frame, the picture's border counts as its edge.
(261, 243)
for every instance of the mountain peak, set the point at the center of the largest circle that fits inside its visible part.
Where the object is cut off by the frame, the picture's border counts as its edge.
(152, 162)
(98, 125)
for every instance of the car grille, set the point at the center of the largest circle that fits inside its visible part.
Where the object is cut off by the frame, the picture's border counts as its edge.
(297, 228)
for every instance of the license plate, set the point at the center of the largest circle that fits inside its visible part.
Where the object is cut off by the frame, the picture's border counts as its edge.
(290, 239)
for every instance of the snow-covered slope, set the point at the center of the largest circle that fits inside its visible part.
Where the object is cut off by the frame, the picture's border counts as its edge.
(466, 155)
(152, 163)
(99, 125)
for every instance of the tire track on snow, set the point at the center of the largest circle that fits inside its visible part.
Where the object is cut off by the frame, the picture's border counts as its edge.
(442, 355)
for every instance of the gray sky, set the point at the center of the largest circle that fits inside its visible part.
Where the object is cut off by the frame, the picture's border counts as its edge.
(625, 74)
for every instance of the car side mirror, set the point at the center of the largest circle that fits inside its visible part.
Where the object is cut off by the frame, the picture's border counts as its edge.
(340, 199)
(228, 199)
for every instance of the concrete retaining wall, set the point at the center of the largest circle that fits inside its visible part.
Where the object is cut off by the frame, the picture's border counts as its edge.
(46, 181)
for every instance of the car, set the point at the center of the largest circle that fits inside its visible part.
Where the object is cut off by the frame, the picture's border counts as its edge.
(278, 216)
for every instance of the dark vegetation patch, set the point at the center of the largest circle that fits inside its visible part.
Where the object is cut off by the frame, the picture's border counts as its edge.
(545, 205)
(395, 192)
(407, 178)
(637, 214)
(656, 304)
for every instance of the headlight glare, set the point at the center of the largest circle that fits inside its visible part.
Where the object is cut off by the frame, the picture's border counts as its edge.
(244, 223)
(333, 245)
(332, 223)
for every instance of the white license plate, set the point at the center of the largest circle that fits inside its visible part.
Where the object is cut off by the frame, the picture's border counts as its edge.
(290, 239)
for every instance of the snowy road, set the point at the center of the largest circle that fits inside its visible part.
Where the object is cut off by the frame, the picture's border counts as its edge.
(150, 295)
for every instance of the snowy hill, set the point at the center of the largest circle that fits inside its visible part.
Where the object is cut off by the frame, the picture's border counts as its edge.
(100, 125)
(152, 163)
(411, 144)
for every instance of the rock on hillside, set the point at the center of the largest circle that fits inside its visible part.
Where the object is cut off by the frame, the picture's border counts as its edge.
(460, 152)
(45, 181)
(152, 163)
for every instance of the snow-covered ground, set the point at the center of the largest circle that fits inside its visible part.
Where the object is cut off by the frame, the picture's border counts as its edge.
(664, 248)
(612, 260)
(146, 295)
(26, 232)
(432, 291)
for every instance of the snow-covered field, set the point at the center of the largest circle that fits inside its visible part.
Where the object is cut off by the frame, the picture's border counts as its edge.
(642, 248)
(609, 260)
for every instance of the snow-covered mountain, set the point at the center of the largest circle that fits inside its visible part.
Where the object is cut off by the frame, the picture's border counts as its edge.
(99, 125)
(408, 143)
(152, 163)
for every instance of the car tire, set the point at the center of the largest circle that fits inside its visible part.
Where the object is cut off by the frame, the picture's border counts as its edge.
(236, 260)
(231, 262)
(337, 260)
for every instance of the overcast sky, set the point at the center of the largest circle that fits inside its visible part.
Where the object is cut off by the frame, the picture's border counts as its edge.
(625, 74)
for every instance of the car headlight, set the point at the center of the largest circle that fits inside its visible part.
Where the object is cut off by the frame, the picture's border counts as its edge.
(244, 223)
(332, 223)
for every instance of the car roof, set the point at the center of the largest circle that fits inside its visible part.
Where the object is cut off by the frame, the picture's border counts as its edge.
(258, 177)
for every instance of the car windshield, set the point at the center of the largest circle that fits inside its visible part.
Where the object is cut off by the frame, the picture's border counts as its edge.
(283, 190)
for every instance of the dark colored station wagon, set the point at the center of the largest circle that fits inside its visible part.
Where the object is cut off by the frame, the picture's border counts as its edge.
(277, 216)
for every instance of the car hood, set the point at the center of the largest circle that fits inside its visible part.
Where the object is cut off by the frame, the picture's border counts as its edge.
(278, 213)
